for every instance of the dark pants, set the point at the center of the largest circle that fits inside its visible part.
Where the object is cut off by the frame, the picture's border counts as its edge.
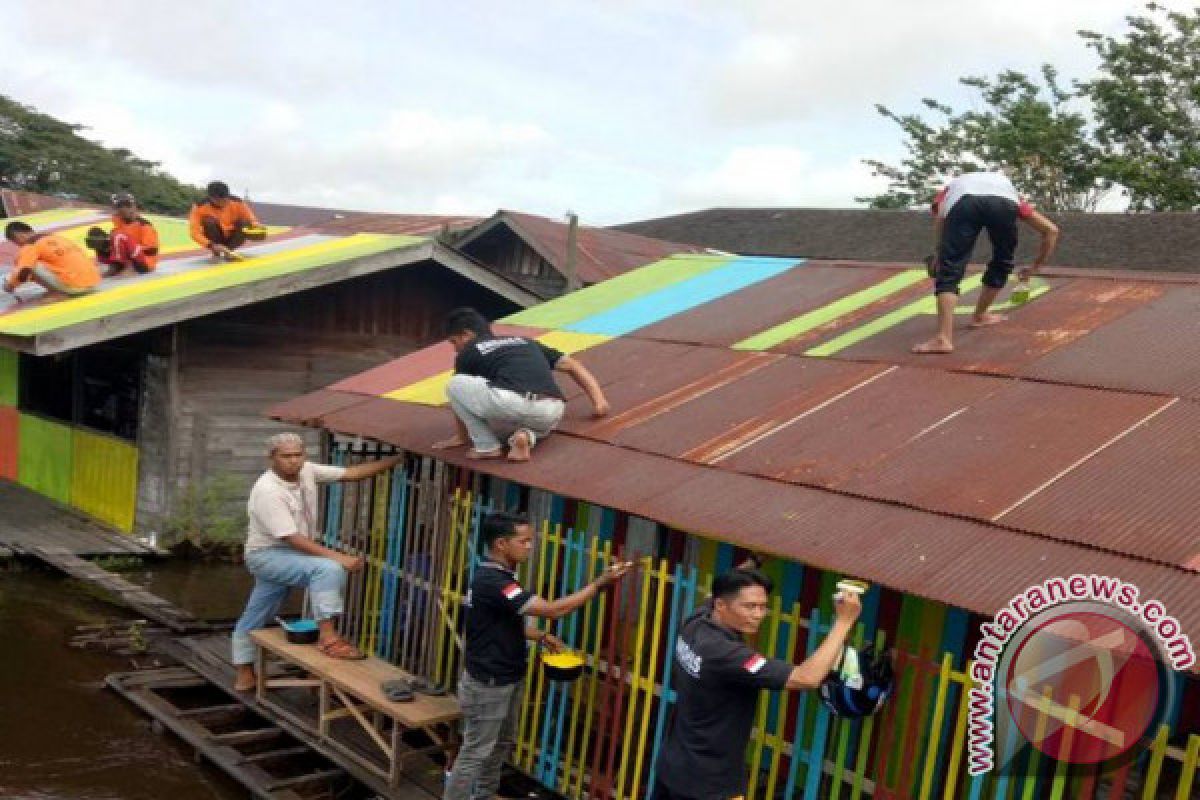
(217, 235)
(117, 251)
(661, 792)
(969, 216)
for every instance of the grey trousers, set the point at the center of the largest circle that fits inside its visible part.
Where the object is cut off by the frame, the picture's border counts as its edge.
(490, 718)
(490, 413)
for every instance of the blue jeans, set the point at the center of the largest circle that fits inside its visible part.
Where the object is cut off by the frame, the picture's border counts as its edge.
(275, 571)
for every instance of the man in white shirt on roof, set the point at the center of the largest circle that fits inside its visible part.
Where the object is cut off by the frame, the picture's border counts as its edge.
(281, 551)
(967, 205)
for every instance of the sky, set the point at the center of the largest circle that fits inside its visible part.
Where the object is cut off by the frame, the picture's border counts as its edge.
(618, 110)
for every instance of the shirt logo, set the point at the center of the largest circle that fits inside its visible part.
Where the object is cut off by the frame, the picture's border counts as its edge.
(687, 658)
(488, 345)
(511, 591)
(754, 663)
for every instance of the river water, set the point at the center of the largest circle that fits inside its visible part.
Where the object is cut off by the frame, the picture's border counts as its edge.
(65, 737)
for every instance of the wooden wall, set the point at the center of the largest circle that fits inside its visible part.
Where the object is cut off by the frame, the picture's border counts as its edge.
(508, 254)
(230, 368)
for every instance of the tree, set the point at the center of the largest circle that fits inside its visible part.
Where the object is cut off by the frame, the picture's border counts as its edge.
(39, 153)
(1146, 101)
(1030, 130)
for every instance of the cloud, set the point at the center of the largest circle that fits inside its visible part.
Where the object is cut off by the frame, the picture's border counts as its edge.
(776, 175)
(411, 159)
(789, 63)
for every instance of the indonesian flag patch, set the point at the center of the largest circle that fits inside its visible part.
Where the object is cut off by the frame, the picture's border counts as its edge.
(511, 591)
(754, 663)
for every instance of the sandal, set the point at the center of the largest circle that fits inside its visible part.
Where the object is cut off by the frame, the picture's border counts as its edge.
(398, 691)
(341, 649)
(426, 687)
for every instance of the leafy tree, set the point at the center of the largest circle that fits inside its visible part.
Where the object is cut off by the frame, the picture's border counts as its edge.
(1146, 101)
(1028, 128)
(39, 153)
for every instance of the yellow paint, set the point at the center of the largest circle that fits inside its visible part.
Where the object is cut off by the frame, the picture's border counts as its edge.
(431, 391)
(104, 478)
(635, 687)
(134, 288)
(935, 728)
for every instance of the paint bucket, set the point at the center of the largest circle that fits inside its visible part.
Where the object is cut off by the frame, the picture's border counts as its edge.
(564, 666)
(301, 631)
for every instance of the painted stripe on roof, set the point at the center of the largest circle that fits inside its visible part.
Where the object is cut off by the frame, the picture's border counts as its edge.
(610, 293)
(431, 391)
(684, 295)
(141, 293)
(826, 314)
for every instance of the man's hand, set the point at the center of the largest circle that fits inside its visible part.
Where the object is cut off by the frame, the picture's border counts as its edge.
(601, 409)
(447, 444)
(220, 251)
(847, 607)
(351, 563)
(613, 574)
(553, 643)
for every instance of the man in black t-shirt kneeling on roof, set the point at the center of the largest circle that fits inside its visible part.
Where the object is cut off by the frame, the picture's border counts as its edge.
(504, 387)
(494, 655)
(717, 681)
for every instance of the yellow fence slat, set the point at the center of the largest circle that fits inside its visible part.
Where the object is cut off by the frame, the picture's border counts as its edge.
(104, 478)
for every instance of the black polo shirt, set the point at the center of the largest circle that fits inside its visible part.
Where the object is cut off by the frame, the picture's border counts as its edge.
(495, 625)
(717, 678)
(511, 362)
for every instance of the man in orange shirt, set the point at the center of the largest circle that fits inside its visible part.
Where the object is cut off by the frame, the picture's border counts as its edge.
(56, 264)
(220, 221)
(133, 243)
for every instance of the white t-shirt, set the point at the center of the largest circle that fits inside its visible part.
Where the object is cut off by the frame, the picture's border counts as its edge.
(277, 508)
(979, 184)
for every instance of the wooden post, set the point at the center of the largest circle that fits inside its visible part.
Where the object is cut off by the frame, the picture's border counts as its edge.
(571, 266)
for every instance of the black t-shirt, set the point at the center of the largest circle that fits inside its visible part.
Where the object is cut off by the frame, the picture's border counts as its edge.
(511, 362)
(495, 627)
(717, 679)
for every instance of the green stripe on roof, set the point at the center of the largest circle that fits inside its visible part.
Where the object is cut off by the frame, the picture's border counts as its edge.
(826, 314)
(612, 292)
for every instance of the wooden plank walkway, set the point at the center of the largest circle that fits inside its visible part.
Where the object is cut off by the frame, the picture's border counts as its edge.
(31, 520)
(125, 593)
(261, 756)
(209, 655)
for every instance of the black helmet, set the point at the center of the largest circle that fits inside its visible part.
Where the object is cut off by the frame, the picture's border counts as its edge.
(123, 199)
(859, 685)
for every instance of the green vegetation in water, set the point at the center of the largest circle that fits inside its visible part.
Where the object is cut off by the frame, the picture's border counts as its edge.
(209, 521)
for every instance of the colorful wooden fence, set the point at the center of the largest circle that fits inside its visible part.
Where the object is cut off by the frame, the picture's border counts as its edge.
(599, 736)
(92, 472)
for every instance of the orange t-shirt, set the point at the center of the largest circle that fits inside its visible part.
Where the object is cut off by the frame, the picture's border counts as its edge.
(143, 235)
(235, 211)
(64, 258)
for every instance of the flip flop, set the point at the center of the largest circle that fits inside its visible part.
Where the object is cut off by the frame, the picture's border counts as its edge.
(425, 687)
(398, 691)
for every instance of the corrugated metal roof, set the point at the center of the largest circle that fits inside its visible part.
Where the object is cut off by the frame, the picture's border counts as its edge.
(601, 253)
(914, 473)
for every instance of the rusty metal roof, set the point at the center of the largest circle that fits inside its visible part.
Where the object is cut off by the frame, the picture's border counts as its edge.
(784, 412)
(601, 253)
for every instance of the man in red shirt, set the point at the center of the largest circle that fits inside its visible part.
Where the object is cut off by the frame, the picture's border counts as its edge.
(967, 205)
(133, 243)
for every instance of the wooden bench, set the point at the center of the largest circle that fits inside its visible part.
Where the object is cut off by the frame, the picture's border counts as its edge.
(351, 689)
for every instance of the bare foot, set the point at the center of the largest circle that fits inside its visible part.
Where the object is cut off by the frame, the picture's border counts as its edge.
(478, 455)
(245, 680)
(936, 345)
(520, 450)
(447, 444)
(988, 319)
